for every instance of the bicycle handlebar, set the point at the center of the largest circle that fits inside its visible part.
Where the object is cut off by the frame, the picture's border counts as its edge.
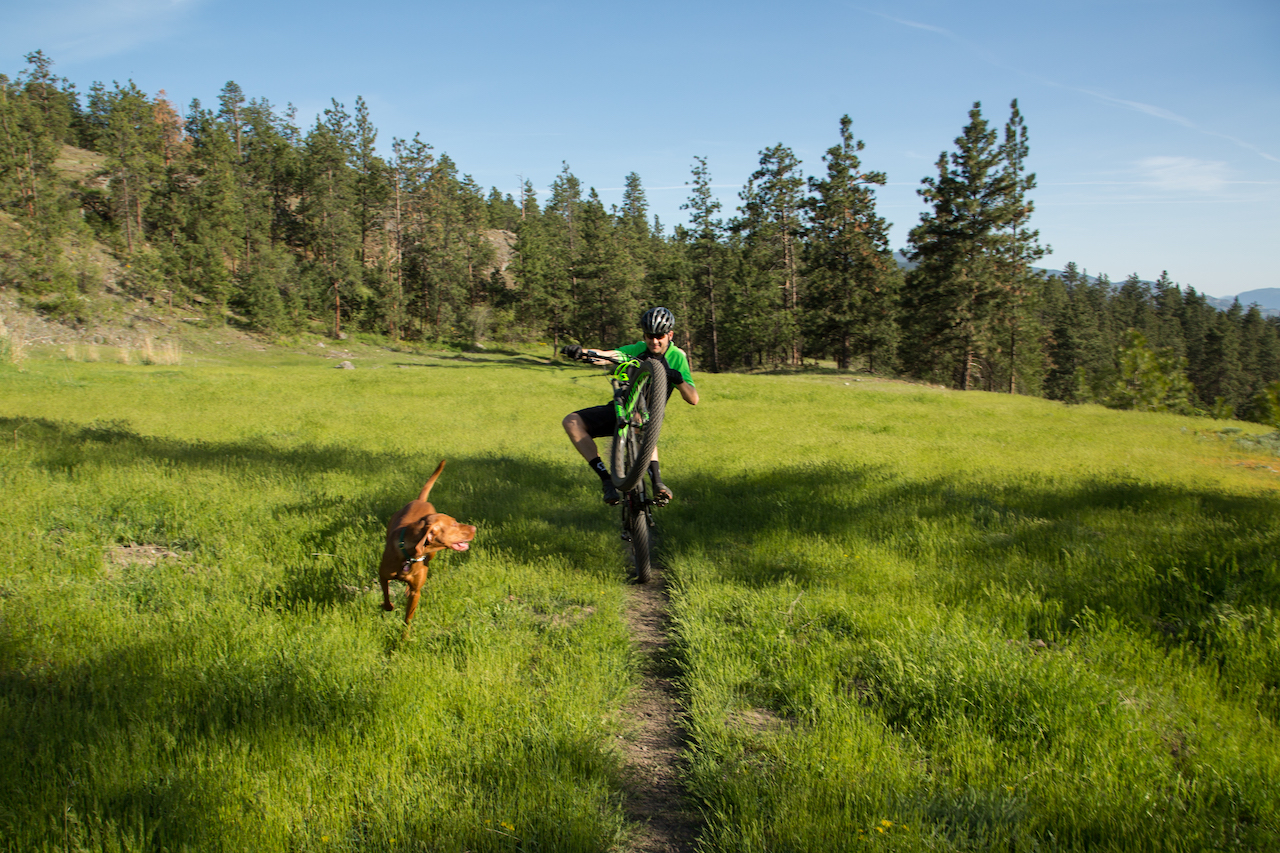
(590, 354)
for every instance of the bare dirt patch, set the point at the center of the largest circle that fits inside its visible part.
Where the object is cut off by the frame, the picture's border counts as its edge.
(134, 554)
(657, 803)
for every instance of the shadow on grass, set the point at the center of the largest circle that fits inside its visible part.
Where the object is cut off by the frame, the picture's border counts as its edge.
(480, 489)
(59, 714)
(514, 360)
(1159, 556)
(86, 727)
(1154, 554)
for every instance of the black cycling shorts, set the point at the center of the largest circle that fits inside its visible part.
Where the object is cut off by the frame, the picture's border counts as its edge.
(599, 420)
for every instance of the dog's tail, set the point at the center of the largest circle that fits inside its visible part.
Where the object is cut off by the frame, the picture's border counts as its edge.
(426, 490)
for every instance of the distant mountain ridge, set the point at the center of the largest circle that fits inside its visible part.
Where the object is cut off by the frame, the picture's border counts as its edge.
(1267, 298)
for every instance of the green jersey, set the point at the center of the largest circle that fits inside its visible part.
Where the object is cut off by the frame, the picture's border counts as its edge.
(674, 358)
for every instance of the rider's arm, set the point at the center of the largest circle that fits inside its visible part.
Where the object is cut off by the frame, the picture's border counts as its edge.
(605, 353)
(688, 392)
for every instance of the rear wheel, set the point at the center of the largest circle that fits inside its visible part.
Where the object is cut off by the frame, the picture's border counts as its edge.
(635, 515)
(636, 521)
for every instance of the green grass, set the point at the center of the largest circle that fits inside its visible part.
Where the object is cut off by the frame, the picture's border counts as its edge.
(949, 622)
(905, 617)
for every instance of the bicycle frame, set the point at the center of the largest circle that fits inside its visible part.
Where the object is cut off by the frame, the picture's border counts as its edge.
(628, 391)
(639, 394)
(630, 381)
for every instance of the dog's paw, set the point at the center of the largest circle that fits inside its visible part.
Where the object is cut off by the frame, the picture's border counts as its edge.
(388, 607)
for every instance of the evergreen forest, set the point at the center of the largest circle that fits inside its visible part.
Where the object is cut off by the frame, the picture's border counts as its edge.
(239, 211)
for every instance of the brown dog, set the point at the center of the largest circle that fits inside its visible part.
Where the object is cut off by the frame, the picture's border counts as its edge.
(415, 534)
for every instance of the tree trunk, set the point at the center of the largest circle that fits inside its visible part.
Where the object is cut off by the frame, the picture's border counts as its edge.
(715, 333)
(1013, 358)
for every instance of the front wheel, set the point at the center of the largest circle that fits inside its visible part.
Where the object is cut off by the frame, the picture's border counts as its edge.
(634, 445)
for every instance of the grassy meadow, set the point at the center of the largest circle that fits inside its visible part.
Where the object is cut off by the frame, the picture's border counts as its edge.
(904, 617)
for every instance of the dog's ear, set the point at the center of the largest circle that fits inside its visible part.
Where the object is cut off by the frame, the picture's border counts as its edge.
(422, 535)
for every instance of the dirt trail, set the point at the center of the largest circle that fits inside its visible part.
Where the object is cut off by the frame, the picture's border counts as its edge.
(657, 803)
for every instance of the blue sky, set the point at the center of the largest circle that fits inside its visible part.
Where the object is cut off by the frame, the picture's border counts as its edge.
(1154, 124)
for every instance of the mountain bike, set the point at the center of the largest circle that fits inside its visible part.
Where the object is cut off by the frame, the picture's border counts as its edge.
(639, 402)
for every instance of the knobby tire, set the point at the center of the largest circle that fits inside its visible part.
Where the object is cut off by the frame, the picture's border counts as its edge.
(635, 515)
(637, 519)
(626, 468)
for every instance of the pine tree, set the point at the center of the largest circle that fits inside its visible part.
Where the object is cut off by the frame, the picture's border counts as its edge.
(1196, 317)
(853, 278)
(1021, 249)
(201, 211)
(19, 179)
(232, 99)
(172, 141)
(608, 291)
(437, 264)
(703, 239)
(765, 303)
(35, 114)
(544, 305)
(272, 169)
(1151, 380)
(52, 97)
(561, 220)
(634, 228)
(1103, 336)
(1134, 306)
(503, 212)
(476, 251)
(372, 188)
(372, 184)
(132, 143)
(634, 215)
(411, 167)
(1062, 345)
(670, 282)
(1224, 386)
(34, 119)
(1167, 321)
(1260, 361)
(953, 296)
(327, 210)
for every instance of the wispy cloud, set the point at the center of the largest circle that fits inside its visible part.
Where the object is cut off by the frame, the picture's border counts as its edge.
(1180, 174)
(1170, 116)
(74, 31)
(678, 187)
(1147, 109)
(942, 31)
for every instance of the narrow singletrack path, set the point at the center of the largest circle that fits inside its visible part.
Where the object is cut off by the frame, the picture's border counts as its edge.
(656, 802)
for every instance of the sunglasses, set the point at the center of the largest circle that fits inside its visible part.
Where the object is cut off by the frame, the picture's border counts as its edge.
(653, 337)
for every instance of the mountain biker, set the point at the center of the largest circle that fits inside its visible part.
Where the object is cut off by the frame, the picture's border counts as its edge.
(586, 425)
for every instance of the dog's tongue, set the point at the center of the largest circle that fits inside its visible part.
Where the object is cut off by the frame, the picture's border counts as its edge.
(460, 546)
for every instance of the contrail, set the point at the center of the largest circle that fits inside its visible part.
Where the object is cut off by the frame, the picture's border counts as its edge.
(1146, 109)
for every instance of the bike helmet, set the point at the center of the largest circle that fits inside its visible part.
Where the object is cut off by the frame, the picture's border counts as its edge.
(657, 321)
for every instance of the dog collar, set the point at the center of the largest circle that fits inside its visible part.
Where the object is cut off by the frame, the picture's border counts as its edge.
(403, 552)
